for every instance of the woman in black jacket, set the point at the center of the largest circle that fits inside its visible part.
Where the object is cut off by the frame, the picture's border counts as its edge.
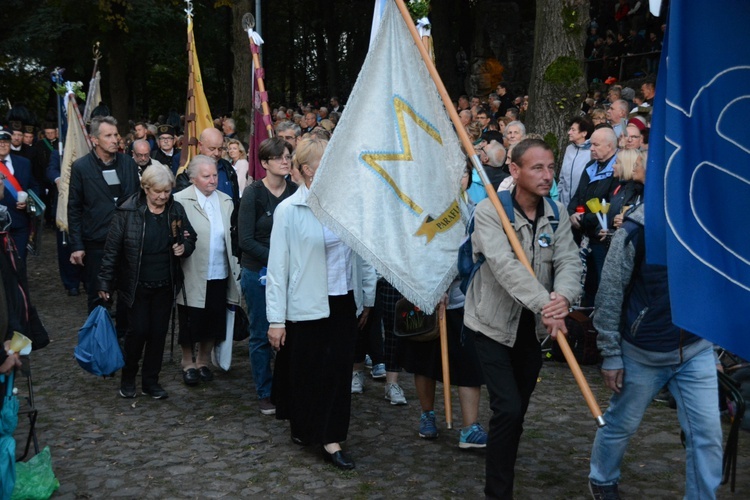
(628, 192)
(148, 235)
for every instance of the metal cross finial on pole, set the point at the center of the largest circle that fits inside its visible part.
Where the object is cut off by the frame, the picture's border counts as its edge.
(189, 9)
(93, 96)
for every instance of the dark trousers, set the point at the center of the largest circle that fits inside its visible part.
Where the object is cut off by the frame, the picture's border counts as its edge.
(70, 274)
(370, 338)
(92, 262)
(20, 237)
(510, 374)
(149, 321)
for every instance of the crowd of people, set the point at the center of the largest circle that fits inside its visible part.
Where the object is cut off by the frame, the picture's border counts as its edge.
(144, 232)
(624, 39)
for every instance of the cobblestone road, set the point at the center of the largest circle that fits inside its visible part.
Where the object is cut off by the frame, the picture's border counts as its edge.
(212, 442)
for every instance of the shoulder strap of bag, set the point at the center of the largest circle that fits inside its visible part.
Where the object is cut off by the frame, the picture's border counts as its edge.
(507, 201)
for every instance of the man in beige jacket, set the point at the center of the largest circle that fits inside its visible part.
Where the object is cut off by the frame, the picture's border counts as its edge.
(509, 310)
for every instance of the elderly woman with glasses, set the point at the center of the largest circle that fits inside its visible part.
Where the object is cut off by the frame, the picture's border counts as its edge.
(259, 201)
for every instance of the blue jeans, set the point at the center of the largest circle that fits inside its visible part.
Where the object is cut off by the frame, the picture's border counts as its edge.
(695, 388)
(261, 352)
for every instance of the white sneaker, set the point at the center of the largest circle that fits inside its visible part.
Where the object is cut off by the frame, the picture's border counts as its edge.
(395, 394)
(378, 371)
(358, 382)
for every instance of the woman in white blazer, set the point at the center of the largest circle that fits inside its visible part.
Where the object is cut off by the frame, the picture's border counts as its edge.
(211, 272)
(316, 288)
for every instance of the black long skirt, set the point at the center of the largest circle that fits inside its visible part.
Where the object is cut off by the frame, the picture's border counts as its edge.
(313, 374)
(209, 323)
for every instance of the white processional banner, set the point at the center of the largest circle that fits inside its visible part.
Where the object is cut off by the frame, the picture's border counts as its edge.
(388, 184)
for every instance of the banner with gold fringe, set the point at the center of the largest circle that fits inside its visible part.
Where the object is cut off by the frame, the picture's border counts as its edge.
(197, 113)
(388, 184)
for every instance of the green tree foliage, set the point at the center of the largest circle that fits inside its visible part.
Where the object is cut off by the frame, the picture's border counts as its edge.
(142, 42)
(312, 50)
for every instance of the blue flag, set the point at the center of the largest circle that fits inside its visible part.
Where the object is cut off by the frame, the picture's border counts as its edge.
(57, 79)
(698, 177)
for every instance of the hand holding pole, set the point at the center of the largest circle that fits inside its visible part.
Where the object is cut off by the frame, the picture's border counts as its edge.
(492, 194)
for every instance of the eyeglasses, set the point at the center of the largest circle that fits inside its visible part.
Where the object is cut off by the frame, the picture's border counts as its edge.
(166, 139)
(285, 158)
(2, 177)
(633, 137)
(288, 137)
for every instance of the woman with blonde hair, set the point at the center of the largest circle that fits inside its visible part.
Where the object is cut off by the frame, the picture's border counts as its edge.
(327, 124)
(238, 158)
(474, 129)
(629, 191)
(316, 288)
(598, 116)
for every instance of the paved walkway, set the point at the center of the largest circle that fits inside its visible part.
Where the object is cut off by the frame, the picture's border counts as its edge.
(212, 442)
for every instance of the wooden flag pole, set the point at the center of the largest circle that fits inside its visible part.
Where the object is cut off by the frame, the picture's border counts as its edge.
(444, 358)
(446, 366)
(492, 194)
(248, 23)
(81, 123)
(261, 88)
(190, 146)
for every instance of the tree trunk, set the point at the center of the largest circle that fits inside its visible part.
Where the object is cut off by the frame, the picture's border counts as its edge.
(333, 34)
(558, 84)
(292, 92)
(241, 74)
(320, 43)
(118, 87)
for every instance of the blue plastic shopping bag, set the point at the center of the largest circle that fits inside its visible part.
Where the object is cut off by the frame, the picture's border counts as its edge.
(98, 351)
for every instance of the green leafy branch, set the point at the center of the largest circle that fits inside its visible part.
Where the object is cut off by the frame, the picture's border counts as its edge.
(77, 88)
(418, 9)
